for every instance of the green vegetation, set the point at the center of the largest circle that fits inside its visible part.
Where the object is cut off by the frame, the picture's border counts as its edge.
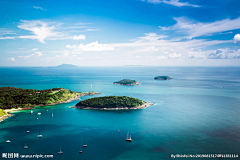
(162, 78)
(126, 82)
(11, 97)
(111, 102)
(2, 113)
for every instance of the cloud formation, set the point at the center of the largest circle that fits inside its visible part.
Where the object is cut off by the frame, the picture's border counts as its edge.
(26, 56)
(93, 46)
(11, 59)
(197, 29)
(236, 38)
(173, 3)
(36, 7)
(225, 54)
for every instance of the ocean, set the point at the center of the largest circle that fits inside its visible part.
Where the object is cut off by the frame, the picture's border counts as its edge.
(196, 112)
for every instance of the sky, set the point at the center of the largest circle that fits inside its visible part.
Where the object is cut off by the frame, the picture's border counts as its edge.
(120, 32)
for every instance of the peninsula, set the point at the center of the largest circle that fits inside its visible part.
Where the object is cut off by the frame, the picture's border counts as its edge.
(12, 98)
(112, 103)
(162, 78)
(127, 82)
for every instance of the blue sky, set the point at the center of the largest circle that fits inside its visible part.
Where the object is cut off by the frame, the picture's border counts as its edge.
(120, 32)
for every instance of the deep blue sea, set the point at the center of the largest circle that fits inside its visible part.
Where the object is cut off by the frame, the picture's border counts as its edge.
(196, 112)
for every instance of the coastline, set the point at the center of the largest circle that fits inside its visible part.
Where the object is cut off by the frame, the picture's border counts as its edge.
(31, 107)
(145, 105)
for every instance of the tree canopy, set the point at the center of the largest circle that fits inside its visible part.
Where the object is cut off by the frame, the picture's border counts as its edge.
(111, 102)
(126, 82)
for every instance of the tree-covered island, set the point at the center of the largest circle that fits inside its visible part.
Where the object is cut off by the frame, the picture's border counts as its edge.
(11, 97)
(127, 82)
(162, 78)
(112, 103)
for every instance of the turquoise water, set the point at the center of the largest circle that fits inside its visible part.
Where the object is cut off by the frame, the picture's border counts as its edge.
(197, 112)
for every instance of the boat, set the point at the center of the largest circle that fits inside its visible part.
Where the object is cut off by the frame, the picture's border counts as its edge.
(47, 110)
(60, 152)
(39, 113)
(80, 151)
(8, 141)
(118, 130)
(52, 114)
(25, 147)
(31, 112)
(28, 131)
(84, 145)
(129, 139)
(39, 135)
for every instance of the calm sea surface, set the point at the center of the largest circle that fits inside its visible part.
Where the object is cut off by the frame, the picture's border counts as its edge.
(197, 112)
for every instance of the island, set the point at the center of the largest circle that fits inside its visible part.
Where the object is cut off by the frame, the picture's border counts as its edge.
(12, 98)
(112, 103)
(162, 78)
(64, 66)
(127, 82)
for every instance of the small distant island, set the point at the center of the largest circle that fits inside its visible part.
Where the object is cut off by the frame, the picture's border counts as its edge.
(127, 82)
(162, 78)
(65, 66)
(112, 103)
(12, 98)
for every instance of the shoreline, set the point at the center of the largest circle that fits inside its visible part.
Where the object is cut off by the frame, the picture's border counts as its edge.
(145, 105)
(31, 107)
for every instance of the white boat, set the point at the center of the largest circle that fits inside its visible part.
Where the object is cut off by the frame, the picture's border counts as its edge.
(52, 114)
(28, 131)
(129, 139)
(39, 135)
(25, 147)
(84, 145)
(31, 112)
(118, 130)
(91, 85)
(60, 152)
(47, 110)
(39, 113)
(80, 151)
(8, 141)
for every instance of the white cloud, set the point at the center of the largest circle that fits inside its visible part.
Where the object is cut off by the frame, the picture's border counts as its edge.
(11, 59)
(196, 29)
(236, 38)
(7, 37)
(196, 55)
(152, 37)
(4, 31)
(173, 3)
(90, 29)
(34, 49)
(36, 7)
(162, 57)
(78, 37)
(39, 54)
(225, 54)
(175, 55)
(26, 56)
(93, 46)
(41, 30)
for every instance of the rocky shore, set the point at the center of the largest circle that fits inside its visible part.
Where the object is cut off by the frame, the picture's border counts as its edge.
(145, 105)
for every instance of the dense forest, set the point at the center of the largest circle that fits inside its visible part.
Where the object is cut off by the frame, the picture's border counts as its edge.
(162, 78)
(126, 82)
(111, 102)
(11, 97)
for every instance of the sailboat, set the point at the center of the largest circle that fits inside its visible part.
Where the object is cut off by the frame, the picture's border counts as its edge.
(129, 139)
(84, 145)
(39, 135)
(52, 114)
(91, 85)
(8, 141)
(26, 147)
(60, 152)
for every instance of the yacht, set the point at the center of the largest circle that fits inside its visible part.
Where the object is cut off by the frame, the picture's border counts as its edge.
(39, 135)
(129, 139)
(31, 112)
(60, 152)
(52, 114)
(8, 141)
(25, 147)
(80, 151)
(84, 145)
(28, 131)
(39, 113)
